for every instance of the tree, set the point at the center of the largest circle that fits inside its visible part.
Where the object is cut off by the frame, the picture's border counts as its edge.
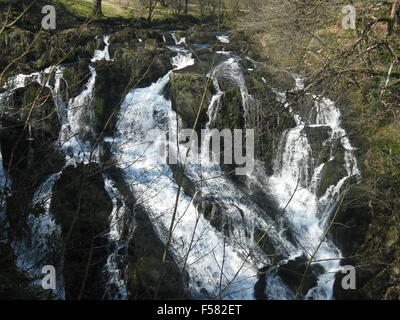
(393, 16)
(186, 6)
(97, 8)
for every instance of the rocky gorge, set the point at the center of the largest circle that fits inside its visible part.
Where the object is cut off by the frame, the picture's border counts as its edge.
(81, 189)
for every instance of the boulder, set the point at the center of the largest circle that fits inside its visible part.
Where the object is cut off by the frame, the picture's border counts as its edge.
(294, 274)
(186, 91)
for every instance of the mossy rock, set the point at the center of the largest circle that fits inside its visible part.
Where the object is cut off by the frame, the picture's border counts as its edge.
(216, 216)
(34, 104)
(303, 106)
(186, 91)
(130, 69)
(263, 241)
(332, 172)
(298, 276)
(231, 113)
(392, 236)
(144, 66)
(352, 221)
(383, 159)
(112, 85)
(23, 147)
(316, 137)
(13, 43)
(148, 276)
(76, 75)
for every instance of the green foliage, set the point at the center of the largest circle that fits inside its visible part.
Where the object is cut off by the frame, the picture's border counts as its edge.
(384, 156)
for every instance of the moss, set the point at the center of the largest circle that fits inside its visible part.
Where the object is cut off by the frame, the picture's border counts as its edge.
(76, 76)
(148, 277)
(392, 236)
(186, 92)
(36, 103)
(384, 157)
(231, 114)
(392, 293)
(331, 174)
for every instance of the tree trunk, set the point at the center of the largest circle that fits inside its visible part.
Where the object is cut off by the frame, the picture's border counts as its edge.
(393, 17)
(186, 6)
(97, 8)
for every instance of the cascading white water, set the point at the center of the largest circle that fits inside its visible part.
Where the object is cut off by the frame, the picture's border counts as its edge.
(213, 108)
(120, 218)
(196, 244)
(44, 240)
(295, 182)
(218, 265)
(76, 117)
(231, 71)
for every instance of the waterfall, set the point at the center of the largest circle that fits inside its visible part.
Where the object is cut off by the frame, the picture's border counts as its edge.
(119, 218)
(230, 70)
(295, 182)
(196, 244)
(213, 109)
(222, 261)
(103, 54)
(44, 241)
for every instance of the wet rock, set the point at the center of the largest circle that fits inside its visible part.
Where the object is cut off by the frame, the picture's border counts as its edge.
(148, 276)
(260, 287)
(349, 233)
(144, 66)
(82, 208)
(332, 172)
(218, 219)
(316, 137)
(186, 91)
(231, 113)
(294, 274)
(34, 103)
(76, 76)
(24, 139)
(262, 239)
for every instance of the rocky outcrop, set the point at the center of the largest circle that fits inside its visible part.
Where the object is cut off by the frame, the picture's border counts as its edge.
(298, 276)
(186, 92)
(82, 207)
(149, 276)
(25, 138)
